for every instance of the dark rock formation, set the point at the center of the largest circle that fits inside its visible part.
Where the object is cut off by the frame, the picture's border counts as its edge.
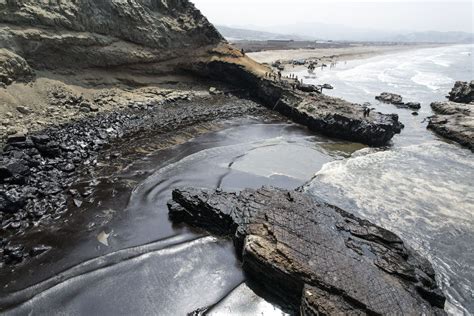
(462, 92)
(321, 258)
(391, 98)
(327, 86)
(454, 121)
(13, 68)
(397, 100)
(330, 116)
(308, 88)
(412, 105)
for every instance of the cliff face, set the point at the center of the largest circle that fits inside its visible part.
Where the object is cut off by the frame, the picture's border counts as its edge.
(161, 36)
(82, 33)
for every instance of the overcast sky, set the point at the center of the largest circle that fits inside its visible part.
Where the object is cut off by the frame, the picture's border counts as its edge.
(384, 15)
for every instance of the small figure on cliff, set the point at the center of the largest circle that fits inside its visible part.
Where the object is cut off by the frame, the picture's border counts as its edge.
(279, 75)
(366, 112)
(242, 51)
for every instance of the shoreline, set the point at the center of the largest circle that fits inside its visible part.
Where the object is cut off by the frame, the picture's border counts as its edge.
(326, 55)
(83, 114)
(43, 168)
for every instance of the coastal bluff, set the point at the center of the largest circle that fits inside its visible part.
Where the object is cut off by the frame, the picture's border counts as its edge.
(160, 37)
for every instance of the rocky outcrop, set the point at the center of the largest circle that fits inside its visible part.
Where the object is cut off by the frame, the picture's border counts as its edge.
(13, 68)
(327, 115)
(462, 92)
(397, 100)
(391, 98)
(411, 105)
(319, 257)
(454, 121)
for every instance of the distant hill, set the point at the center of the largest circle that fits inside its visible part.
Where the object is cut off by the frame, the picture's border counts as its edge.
(435, 37)
(320, 31)
(231, 33)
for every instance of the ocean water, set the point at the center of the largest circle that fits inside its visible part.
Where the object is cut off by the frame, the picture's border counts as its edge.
(421, 186)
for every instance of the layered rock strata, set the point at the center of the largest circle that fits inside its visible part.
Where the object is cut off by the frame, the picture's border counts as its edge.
(454, 121)
(319, 257)
(327, 115)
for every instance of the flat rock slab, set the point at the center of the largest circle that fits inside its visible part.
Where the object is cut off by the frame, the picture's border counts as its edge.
(315, 256)
(329, 116)
(454, 121)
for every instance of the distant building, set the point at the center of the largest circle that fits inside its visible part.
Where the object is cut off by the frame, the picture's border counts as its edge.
(282, 41)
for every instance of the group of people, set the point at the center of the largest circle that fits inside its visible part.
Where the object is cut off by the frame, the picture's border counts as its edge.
(367, 112)
(278, 76)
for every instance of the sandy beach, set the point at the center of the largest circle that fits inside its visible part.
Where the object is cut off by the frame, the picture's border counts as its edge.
(331, 54)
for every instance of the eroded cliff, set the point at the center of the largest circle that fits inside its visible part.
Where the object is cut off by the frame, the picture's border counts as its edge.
(103, 33)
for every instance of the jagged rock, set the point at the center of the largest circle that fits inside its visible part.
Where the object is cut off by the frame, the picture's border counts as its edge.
(412, 105)
(462, 92)
(11, 201)
(38, 250)
(13, 168)
(13, 67)
(391, 98)
(454, 121)
(308, 88)
(13, 254)
(321, 258)
(16, 138)
(397, 100)
(214, 91)
(23, 110)
(40, 139)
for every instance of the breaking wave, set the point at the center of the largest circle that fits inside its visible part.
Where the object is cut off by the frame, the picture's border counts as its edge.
(423, 193)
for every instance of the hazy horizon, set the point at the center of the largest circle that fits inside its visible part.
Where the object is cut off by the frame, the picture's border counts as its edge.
(381, 15)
